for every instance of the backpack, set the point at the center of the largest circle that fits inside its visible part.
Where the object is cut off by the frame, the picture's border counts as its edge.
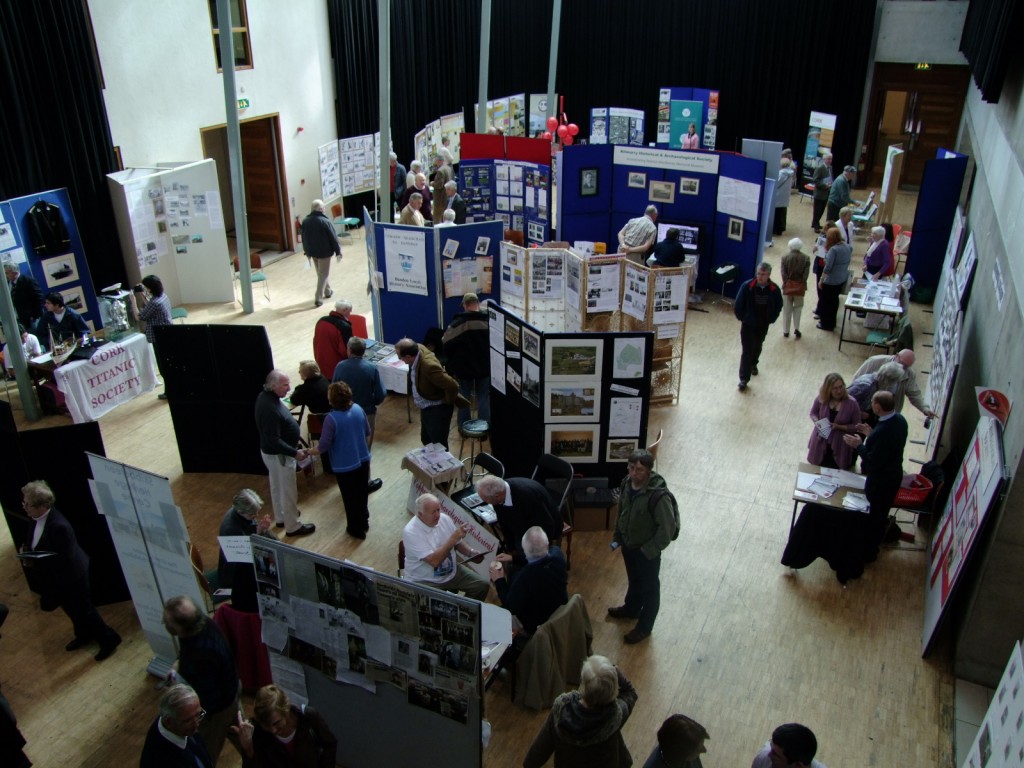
(652, 501)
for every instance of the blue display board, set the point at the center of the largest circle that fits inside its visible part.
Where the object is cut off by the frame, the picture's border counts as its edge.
(516, 193)
(941, 183)
(63, 268)
(480, 243)
(678, 107)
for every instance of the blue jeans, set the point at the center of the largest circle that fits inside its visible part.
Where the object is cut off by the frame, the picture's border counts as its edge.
(482, 389)
(643, 596)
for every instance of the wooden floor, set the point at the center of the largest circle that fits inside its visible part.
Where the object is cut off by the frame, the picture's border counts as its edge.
(741, 644)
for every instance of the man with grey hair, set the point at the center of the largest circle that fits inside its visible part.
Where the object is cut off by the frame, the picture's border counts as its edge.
(520, 504)
(320, 242)
(758, 305)
(398, 174)
(431, 541)
(638, 236)
(535, 591)
(330, 337)
(279, 441)
(907, 387)
(26, 295)
(173, 740)
(455, 202)
(433, 391)
(839, 193)
(863, 388)
(243, 519)
(822, 181)
(368, 391)
(412, 214)
(644, 527)
(447, 219)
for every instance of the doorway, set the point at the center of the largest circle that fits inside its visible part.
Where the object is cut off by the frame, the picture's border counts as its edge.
(266, 192)
(919, 109)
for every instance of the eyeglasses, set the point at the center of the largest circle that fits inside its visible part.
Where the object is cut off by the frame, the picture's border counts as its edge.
(195, 718)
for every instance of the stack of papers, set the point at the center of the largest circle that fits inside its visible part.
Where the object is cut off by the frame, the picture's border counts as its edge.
(857, 502)
(473, 500)
(824, 427)
(486, 513)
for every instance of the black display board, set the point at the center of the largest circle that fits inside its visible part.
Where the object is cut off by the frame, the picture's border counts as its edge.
(212, 376)
(58, 456)
(582, 396)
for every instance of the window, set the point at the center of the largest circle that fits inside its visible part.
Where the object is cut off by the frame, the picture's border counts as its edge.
(239, 35)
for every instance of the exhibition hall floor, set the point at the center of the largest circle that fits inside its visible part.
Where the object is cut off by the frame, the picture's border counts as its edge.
(741, 644)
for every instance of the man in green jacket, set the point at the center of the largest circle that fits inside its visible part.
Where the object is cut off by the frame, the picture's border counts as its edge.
(642, 531)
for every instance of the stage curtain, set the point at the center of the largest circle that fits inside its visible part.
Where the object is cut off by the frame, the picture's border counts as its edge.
(773, 61)
(53, 121)
(987, 30)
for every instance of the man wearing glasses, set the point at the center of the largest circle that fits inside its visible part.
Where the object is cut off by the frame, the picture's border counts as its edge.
(173, 740)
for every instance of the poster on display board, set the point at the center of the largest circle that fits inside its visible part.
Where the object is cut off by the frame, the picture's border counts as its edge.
(539, 113)
(670, 296)
(462, 276)
(452, 128)
(360, 156)
(330, 171)
(820, 135)
(682, 115)
(512, 271)
(974, 490)
(405, 256)
(547, 273)
(603, 287)
(634, 297)
(1000, 739)
(738, 198)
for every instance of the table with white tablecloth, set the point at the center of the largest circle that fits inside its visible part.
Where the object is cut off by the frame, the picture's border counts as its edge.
(116, 373)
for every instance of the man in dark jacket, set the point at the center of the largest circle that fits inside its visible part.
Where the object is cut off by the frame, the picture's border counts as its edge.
(398, 174)
(25, 295)
(172, 740)
(62, 321)
(758, 305)
(537, 590)
(520, 504)
(642, 530)
(320, 242)
(467, 349)
(455, 202)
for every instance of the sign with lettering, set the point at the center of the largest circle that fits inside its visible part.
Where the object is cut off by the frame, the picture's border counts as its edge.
(115, 374)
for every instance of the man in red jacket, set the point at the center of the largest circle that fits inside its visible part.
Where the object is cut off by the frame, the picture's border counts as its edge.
(331, 335)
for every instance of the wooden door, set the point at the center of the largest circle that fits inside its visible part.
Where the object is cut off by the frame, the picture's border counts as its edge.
(919, 109)
(264, 186)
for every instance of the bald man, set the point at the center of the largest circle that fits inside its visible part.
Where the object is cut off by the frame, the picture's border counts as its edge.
(907, 387)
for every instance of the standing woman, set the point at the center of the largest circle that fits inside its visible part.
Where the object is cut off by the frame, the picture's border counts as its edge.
(833, 277)
(783, 192)
(284, 736)
(344, 440)
(691, 140)
(842, 413)
(796, 268)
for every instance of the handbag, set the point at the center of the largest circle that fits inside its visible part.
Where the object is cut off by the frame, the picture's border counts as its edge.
(794, 287)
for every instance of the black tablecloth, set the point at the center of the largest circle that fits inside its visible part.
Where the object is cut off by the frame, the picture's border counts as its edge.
(840, 536)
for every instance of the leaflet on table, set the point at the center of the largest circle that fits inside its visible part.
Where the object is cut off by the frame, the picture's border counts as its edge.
(857, 502)
(824, 427)
(433, 459)
(845, 477)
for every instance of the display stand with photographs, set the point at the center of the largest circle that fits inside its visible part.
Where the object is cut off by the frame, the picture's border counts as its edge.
(583, 397)
(373, 652)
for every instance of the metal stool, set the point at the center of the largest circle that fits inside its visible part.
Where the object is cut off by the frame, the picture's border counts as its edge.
(725, 274)
(475, 431)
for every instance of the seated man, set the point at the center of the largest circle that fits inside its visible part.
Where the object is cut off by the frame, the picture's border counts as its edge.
(519, 503)
(63, 322)
(536, 591)
(669, 252)
(431, 540)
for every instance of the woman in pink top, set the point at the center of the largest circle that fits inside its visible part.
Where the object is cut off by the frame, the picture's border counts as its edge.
(691, 140)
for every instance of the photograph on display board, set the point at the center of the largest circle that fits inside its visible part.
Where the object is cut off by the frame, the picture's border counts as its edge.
(573, 442)
(451, 247)
(60, 270)
(531, 343)
(482, 244)
(588, 182)
(569, 359)
(563, 402)
(689, 186)
(328, 585)
(531, 383)
(265, 561)
(637, 180)
(620, 448)
(735, 229)
(662, 192)
(512, 334)
(73, 298)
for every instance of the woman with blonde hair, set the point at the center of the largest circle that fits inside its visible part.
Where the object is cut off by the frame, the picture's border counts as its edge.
(283, 735)
(834, 414)
(584, 727)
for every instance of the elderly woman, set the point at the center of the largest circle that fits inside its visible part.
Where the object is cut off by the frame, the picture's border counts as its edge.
(863, 388)
(835, 412)
(344, 440)
(243, 519)
(796, 268)
(783, 192)
(584, 727)
(834, 274)
(284, 736)
(312, 392)
(878, 259)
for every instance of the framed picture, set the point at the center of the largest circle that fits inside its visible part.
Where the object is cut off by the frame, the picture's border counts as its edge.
(588, 182)
(512, 334)
(572, 359)
(689, 186)
(567, 402)
(74, 298)
(61, 270)
(637, 180)
(735, 229)
(662, 192)
(531, 343)
(531, 382)
(619, 448)
(576, 443)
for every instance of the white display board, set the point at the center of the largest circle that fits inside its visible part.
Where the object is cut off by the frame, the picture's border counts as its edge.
(360, 157)
(945, 360)
(1000, 739)
(330, 171)
(171, 224)
(972, 492)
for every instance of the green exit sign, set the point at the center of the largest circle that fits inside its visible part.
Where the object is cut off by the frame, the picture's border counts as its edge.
(243, 103)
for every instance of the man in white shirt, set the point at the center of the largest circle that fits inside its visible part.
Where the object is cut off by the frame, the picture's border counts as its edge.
(431, 541)
(639, 234)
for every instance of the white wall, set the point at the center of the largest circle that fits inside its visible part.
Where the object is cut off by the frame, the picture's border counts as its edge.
(913, 31)
(162, 83)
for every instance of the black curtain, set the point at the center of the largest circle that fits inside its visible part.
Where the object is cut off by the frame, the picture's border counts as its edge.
(53, 122)
(773, 61)
(987, 31)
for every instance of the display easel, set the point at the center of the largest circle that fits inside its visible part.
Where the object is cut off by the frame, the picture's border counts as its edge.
(891, 183)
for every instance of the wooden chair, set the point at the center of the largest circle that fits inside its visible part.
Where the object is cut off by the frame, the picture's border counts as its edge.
(255, 272)
(207, 579)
